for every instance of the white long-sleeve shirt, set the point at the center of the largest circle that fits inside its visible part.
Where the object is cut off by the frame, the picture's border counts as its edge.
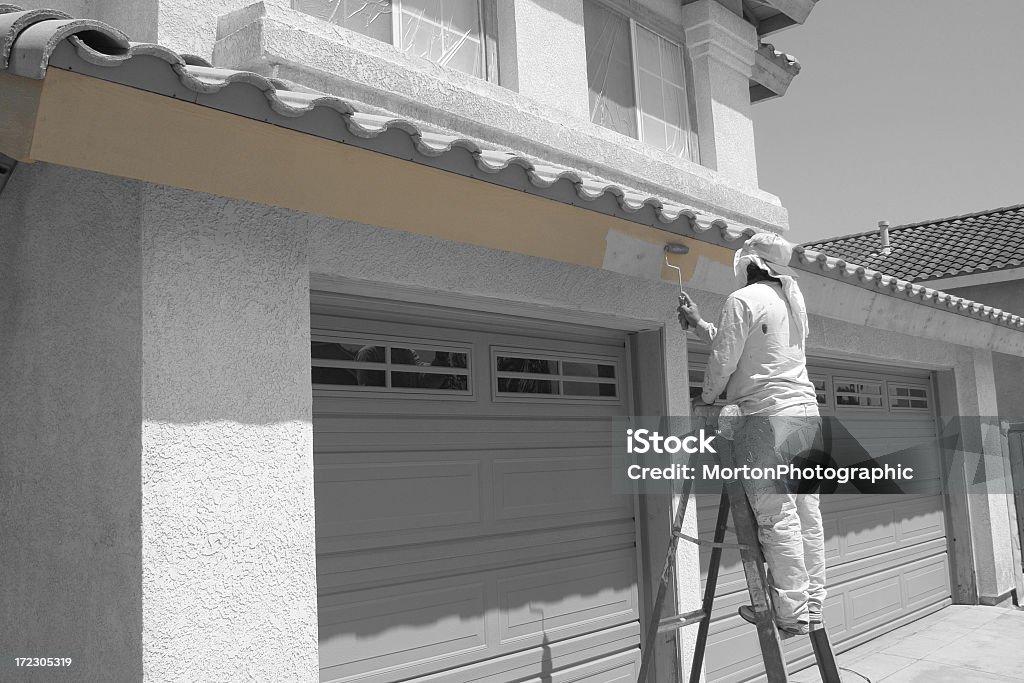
(757, 353)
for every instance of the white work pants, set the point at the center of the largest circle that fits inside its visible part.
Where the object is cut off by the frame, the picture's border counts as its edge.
(789, 523)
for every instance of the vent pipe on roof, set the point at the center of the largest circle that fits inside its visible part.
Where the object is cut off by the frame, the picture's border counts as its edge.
(883, 237)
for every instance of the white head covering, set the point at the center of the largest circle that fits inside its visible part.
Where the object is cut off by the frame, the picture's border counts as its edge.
(772, 253)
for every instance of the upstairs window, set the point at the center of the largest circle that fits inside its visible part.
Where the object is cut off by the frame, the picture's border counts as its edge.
(637, 81)
(447, 32)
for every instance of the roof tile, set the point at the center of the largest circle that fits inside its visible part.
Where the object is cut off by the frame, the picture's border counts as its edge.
(983, 241)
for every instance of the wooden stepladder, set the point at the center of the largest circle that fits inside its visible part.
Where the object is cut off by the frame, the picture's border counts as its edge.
(733, 499)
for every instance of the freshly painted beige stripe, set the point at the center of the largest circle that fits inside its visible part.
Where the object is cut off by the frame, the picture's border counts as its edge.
(19, 103)
(88, 123)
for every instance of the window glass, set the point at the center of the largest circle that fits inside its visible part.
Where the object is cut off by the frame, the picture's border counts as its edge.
(336, 376)
(444, 31)
(354, 364)
(609, 69)
(571, 378)
(857, 393)
(369, 17)
(513, 385)
(588, 389)
(530, 365)
(904, 396)
(820, 392)
(575, 369)
(426, 357)
(662, 92)
(341, 351)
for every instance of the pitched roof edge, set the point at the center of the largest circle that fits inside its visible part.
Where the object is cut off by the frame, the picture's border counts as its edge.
(920, 224)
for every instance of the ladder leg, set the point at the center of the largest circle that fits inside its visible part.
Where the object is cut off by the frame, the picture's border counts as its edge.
(753, 563)
(647, 655)
(823, 655)
(714, 564)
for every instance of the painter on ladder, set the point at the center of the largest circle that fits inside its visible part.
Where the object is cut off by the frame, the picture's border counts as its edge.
(758, 358)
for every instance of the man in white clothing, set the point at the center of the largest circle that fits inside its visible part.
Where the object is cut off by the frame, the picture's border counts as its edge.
(758, 358)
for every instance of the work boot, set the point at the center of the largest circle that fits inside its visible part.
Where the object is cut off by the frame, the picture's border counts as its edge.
(786, 629)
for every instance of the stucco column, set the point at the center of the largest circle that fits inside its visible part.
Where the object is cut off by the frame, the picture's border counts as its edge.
(228, 545)
(542, 52)
(721, 47)
(980, 483)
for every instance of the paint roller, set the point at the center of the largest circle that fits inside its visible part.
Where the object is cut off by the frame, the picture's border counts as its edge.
(684, 298)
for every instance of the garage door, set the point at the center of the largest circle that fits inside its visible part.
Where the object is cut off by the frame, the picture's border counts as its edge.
(465, 525)
(886, 554)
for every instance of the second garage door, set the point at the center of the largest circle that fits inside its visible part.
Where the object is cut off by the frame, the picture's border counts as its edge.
(886, 555)
(466, 529)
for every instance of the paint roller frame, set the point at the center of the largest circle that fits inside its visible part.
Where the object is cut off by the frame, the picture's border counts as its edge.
(677, 248)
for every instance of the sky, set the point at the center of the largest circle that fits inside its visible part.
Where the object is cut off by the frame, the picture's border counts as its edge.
(904, 110)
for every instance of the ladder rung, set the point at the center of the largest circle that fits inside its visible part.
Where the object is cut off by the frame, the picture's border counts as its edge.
(680, 620)
(711, 544)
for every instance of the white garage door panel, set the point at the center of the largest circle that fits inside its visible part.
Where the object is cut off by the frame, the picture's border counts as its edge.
(353, 570)
(554, 660)
(418, 494)
(387, 499)
(408, 627)
(465, 534)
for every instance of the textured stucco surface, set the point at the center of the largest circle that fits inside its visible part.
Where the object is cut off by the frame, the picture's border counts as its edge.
(721, 47)
(191, 25)
(229, 556)
(137, 18)
(553, 72)
(70, 357)
(279, 42)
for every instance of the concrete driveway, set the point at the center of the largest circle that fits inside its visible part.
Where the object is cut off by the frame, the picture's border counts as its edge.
(960, 644)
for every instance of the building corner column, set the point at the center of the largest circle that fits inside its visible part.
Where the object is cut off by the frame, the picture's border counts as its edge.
(980, 488)
(721, 46)
(228, 540)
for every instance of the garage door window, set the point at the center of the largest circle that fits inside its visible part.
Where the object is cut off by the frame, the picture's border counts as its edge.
(364, 364)
(526, 374)
(852, 393)
(821, 392)
(908, 397)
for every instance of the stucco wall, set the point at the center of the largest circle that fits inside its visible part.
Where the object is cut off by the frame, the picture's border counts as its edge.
(1009, 370)
(229, 556)
(70, 377)
(137, 18)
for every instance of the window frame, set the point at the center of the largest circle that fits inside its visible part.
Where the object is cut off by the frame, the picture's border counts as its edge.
(829, 406)
(687, 89)
(891, 387)
(389, 342)
(487, 24)
(883, 404)
(637, 15)
(559, 377)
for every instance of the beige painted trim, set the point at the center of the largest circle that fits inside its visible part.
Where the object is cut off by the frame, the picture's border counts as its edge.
(87, 123)
(96, 125)
(19, 106)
